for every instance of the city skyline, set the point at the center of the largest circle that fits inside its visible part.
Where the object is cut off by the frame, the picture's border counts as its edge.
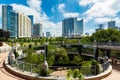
(51, 12)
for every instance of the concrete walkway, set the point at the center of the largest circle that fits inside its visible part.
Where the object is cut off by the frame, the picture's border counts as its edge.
(4, 75)
(115, 75)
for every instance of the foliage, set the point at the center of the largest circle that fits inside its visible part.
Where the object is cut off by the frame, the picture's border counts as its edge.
(16, 54)
(95, 65)
(103, 36)
(69, 73)
(77, 59)
(61, 56)
(80, 76)
(106, 35)
(86, 67)
(75, 73)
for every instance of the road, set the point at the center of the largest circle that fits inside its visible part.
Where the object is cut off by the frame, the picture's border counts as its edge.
(4, 75)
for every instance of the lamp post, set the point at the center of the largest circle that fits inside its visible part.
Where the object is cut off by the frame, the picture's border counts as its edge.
(94, 46)
(45, 64)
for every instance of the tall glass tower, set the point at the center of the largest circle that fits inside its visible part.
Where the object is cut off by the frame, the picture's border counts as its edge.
(14, 24)
(32, 21)
(71, 27)
(6, 10)
(111, 24)
(9, 20)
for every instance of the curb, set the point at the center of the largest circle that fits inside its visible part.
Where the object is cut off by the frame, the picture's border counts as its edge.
(23, 75)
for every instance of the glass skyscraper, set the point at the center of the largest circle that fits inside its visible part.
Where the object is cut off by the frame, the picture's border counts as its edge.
(19, 25)
(6, 12)
(72, 27)
(111, 24)
(79, 28)
(9, 20)
(37, 30)
(14, 24)
(32, 21)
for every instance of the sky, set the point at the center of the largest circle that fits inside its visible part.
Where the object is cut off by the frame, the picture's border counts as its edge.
(51, 12)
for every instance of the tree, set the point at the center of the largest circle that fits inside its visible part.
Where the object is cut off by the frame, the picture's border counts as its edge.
(76, 60)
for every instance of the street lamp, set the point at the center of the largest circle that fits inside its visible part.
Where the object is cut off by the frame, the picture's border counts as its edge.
(94, 46)
(45, 64)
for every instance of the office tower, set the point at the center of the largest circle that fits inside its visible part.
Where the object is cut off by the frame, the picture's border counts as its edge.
(111, 24)
(71, 27)
(13, 24)
(79, 28)
(100, 27)
(37, 30)
(6, 10)
(24, 26)
(19, 25)
(32, 21)
(48, 34)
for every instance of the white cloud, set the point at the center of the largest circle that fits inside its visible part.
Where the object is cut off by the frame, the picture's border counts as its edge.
(55, 29)
(53, 9)
(90, 31)
(86, 2)
(102, 8)
(67, 15)
(35, 4)
(61, 8)
(102, 20)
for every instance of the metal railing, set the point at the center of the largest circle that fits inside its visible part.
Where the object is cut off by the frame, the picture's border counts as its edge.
(25, 66)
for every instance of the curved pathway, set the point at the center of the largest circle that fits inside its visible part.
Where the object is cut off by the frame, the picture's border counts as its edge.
(115, 75)
(4, 75)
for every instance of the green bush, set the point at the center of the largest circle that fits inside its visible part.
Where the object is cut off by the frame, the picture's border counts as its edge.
(69, 72)
(95, 65)
(80, 76)
(75, 73)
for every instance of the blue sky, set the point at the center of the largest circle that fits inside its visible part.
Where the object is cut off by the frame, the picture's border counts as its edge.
(51, 12)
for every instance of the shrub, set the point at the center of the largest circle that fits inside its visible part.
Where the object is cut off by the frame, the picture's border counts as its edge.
(80, 76)
(69, 74)
(96, 64)
(75, 73)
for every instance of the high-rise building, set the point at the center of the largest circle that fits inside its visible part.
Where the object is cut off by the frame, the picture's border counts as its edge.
(19, 25)
(13, 24)
(71, 27)
(48, 34)
(100, 27)
(32, 21)
(79, 28)
(37, 30)
(112, 24)
(6, 10)
(24, 26)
